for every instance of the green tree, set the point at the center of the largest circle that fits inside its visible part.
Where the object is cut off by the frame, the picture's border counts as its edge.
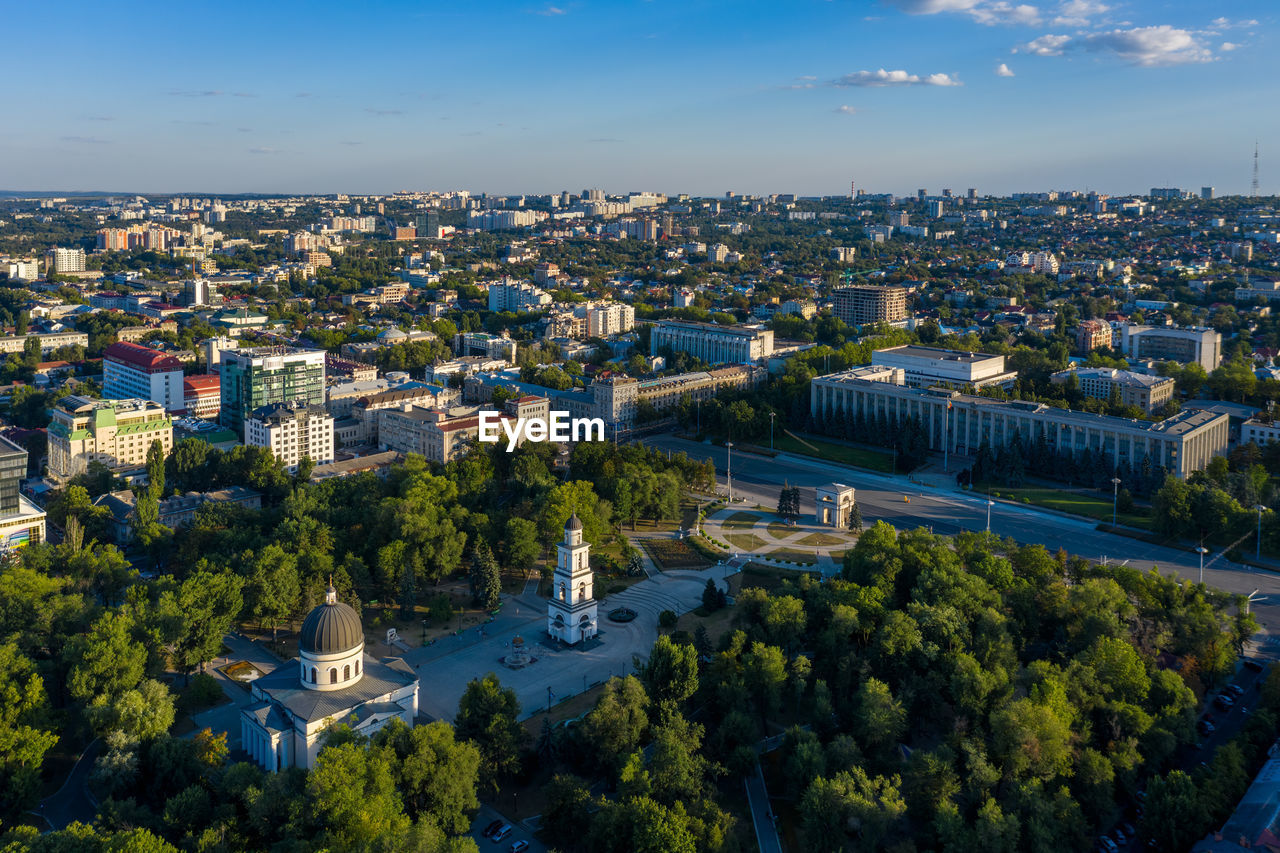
(105, 662)
(434, 772)
(486, 583)
(671, 673)
(24, 736)
(203, 610)
(487, 716)
(353, 796)
(616, 726)
(155, 469)
(521, 543)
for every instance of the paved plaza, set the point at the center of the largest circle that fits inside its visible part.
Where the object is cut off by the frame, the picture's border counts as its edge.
(445, 667)
(762, 533)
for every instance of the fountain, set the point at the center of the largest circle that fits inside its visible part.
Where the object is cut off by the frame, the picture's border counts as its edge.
(519, 656)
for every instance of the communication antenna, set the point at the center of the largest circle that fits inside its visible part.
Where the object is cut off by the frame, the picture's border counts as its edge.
(1253, 190)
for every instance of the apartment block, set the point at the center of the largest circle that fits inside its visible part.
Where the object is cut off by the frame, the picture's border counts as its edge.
(292, 431)
(1092, 334)
(859, 306)
(202, 395)
(516, 296)
(116, 433)
(49, 341)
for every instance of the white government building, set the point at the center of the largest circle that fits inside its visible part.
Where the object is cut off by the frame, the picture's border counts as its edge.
(332, 681)
(571, 613)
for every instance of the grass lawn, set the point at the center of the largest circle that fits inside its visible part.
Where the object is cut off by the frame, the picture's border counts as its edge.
(767, 578)
(717, 624)
(817, 540)
(779, 530)
(805, 557)
(745, 541)
(740, 521)
(858, 457)
(1091, 506)
(674, 554)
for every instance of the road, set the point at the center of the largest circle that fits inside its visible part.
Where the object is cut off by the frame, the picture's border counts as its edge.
(881, 497)
(762, 814)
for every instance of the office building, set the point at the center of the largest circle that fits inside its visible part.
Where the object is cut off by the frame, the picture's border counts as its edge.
(484, 344)
(117, 433)
(963, 423)
(292, 432)
(130, 370)
(712, 343)
(431, 433)
(364, 412)
(1183, 345)
(22, 523)
(202, 395)
(1206, 193)
(927, 367)
(516, 296)
(259, 376)
(1092, 334)
(1261, 429)
(859, 306)
(428, 225)
(1148, 393)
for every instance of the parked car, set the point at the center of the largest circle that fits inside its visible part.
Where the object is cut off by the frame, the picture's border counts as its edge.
(1107, 845)
(1206, 728)
(1224, 702)
(492, 827)
(1250, 663)
(520, 846)
(503, 832)
(1235, 690)
(1129, 830)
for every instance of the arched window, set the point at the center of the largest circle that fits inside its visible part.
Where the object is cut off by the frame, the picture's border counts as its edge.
(582, 591)
(562, 591)
(346, 672)
(313, 675)
(333, 675)
(357, 667)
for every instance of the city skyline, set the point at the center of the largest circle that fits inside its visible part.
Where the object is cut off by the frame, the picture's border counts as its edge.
(701, 98)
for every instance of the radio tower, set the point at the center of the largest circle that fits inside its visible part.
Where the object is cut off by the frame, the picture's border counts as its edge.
(1253, 190)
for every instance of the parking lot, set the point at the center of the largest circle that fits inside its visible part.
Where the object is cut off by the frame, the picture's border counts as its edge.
(488, 815)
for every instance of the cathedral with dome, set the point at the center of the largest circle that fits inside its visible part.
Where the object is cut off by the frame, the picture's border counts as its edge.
(332, 681)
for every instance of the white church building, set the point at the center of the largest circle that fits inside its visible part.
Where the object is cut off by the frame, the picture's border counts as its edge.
(332, 681)
(571, 613)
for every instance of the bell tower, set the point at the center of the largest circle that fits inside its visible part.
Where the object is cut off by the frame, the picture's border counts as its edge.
(571, 613)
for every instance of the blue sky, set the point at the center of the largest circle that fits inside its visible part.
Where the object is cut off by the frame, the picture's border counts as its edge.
(699, 96)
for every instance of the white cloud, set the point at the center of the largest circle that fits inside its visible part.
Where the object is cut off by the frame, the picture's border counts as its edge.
(551, 11)
(1227, 23)
(1162, 45)
(992, 14)
(1228, 46)
(1078, 13)
(1046, 45)
(893, 78)
(1004, 70)
(932, 7)
(845, 109)
(1149, 46)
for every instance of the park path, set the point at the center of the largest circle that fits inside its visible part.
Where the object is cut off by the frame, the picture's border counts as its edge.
(828, 558)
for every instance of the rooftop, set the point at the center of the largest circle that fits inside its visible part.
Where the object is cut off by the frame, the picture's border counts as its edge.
(140, 356)
(935, 354)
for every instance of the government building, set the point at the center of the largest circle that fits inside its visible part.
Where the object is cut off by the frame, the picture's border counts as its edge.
(332, 681)
(962, 423)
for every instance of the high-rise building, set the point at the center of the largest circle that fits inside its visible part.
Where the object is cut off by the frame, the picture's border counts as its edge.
(1206, 193)
(429, 224)
(117, 433)
(21, 521)
(259, 376)
(935, 209)
(921, 195)
(972, 194)
(129, 370)
(899, 218)
(859, 306)
(64, 261)
(513, 295)
(202, 395)
(1092, 334)
(292, 432)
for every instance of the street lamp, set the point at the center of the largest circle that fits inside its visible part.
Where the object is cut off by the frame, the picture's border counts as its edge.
(729, 469)
(990, 504)
(1115, 498)
(1257, 555)
(771, 416)
(1202, 551)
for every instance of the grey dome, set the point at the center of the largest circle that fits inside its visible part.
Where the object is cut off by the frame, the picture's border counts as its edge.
(331, 628)
(574, 523)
